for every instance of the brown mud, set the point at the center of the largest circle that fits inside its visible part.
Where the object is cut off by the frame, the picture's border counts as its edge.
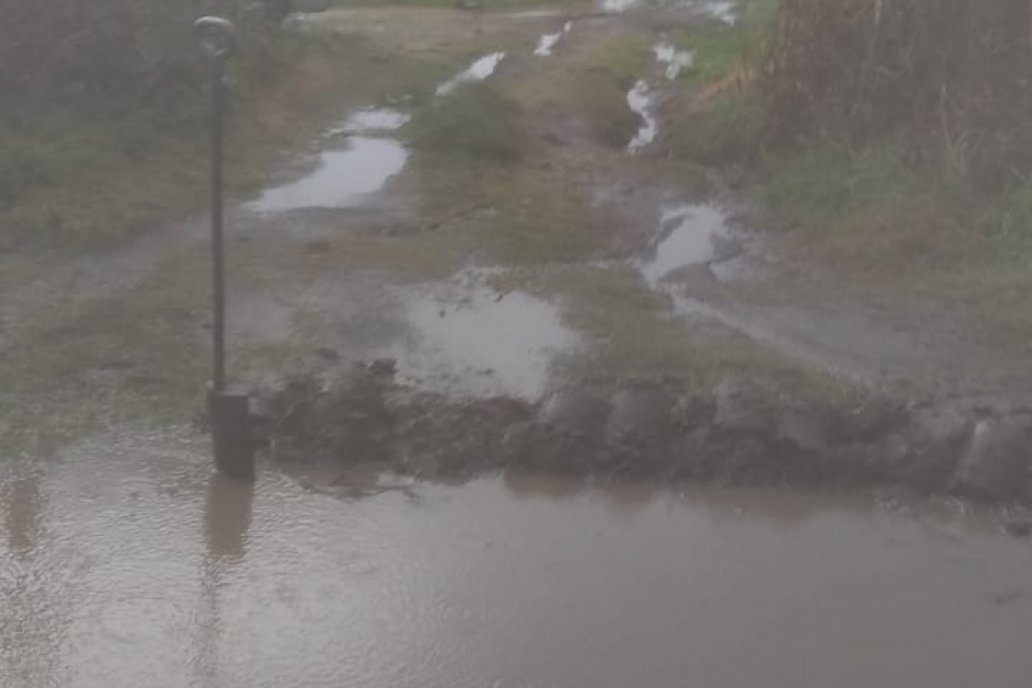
(739, 433)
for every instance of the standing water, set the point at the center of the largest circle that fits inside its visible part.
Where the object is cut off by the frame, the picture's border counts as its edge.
(478, 71)
(348, 173)
(475, 341)
(343, 178)
(124, 563)
(639, 99)
(675, 61)
(546, 44)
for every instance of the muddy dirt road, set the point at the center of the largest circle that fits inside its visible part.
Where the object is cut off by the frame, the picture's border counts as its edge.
(125, 562)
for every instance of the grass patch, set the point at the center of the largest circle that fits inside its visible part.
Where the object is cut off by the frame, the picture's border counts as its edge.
(632, 332)
(600, 91)
(721, 48)
(824, 187)
(474, 121)
(76, 180)
(512, 215)
(726, 129)
(725, 121)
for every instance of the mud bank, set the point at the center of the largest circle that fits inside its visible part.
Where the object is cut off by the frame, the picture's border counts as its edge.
(739, 433)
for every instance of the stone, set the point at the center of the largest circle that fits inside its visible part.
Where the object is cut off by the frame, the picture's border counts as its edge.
(742, 406)
(875, 419)
(996, 462)
(809, 430)
(573, 412)
(691, 411)
(639, 414)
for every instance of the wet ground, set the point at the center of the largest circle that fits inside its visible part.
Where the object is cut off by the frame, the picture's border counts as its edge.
(126, 563)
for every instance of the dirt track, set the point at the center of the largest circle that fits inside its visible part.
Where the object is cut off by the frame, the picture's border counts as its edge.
(571, 272)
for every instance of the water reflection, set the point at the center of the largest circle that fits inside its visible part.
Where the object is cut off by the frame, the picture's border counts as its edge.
(227, 523)
(140, 569)
(22, 504)
(227, 518)
(529, 485)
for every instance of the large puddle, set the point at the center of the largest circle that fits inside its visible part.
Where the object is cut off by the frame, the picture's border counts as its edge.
(126, 564)
(471, 340)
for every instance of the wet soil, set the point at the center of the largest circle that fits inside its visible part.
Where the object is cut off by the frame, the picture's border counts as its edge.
(738, 433)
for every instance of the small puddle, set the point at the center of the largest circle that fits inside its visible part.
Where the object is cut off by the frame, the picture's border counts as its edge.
(546, 44)
(534, 14)
(689, 235)
(723, 11)
(371, 120)
(478, 71)
(695, 252)
(675, 61)
(475, 341)
(640, 99)
(343, 178)
(618, 6)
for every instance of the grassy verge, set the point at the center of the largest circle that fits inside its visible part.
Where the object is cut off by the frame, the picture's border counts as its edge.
(72, 178)
(722, 120)
(606, 72)
(474, 122)
(878, 213)
(720, 48)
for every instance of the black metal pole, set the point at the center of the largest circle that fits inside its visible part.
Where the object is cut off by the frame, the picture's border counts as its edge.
(218, 279)
(229, 412)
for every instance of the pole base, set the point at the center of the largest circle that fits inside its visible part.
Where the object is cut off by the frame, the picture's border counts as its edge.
(231, 434)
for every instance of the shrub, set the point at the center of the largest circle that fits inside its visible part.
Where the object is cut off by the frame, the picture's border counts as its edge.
(473, 121)
(950, 75)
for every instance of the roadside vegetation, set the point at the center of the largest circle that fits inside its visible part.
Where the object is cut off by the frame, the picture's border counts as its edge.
(474, 122)
(103, 110)
(893, 136)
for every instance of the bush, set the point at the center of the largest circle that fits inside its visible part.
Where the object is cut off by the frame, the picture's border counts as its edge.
(473, 121)
(952, 76)
(827, 186)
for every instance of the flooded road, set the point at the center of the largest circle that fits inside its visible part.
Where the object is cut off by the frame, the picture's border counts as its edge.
(125, 563)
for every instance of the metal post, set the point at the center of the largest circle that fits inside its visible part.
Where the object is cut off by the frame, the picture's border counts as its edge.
(229, 412)
(218, 281)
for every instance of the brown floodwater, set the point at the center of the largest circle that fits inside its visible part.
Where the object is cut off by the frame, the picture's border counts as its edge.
(124, 562)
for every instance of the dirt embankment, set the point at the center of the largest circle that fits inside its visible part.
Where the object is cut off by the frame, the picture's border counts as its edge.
(738, 433)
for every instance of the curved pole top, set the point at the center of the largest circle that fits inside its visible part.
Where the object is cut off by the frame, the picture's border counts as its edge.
(218, 37)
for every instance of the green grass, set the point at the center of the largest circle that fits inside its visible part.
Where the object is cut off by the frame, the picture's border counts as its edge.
(1007, 230)
(474, 121)
(721, 48)
(825, 187)
(726, 129)
(631, 332)
(600, 91)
